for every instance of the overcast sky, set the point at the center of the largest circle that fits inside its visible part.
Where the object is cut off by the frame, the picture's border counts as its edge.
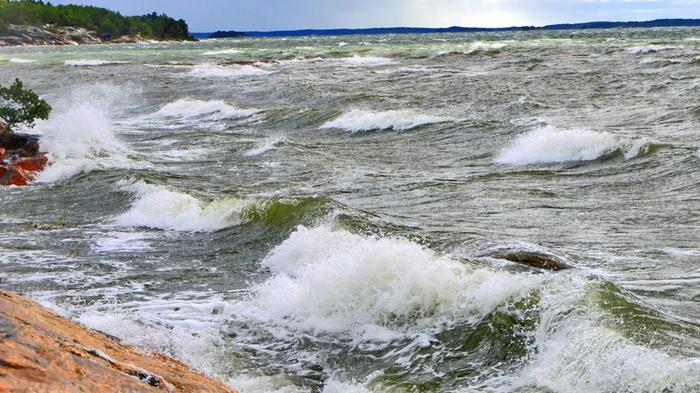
(210, 15)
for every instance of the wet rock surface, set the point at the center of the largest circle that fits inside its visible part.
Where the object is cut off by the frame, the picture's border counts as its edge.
(20, 158)
(41, 351)
(526, 255)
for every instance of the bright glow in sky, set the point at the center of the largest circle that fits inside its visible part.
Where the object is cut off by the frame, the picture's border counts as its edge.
(210, 15)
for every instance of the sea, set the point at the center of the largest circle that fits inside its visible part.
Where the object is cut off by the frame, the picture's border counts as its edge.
(326, 214)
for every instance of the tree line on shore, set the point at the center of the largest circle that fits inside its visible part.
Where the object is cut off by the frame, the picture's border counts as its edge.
(101, 20)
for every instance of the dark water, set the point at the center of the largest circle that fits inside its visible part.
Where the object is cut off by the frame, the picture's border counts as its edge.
(311, 214)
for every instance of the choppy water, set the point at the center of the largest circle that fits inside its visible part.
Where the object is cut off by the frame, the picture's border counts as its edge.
(307, 214)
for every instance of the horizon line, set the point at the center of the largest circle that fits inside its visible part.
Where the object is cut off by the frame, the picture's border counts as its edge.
(675, 22)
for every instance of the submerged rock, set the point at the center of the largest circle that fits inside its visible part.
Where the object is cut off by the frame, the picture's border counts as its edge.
(525, 254)
(43, 352)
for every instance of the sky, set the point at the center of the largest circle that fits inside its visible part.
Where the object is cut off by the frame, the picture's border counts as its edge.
(250, 15)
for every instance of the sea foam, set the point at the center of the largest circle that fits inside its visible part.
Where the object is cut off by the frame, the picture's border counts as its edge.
(21, 61)
(207, 70)
(368, 61)
(221, 52)
(158, 207)
(188, 108)
(91, 62)
(551, 145)
(364, 120)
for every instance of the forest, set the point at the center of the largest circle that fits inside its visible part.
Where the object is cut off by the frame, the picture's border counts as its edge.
(101, 20)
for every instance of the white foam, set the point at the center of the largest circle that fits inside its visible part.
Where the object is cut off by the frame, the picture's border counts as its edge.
(122, 242)
(158, 207)
(333, 281)
(408, 69)
(368, 61)
(647, 49)
(186, 108)
(21, 61)
(579, 356)
(267, 145)
(485, 47)
(236, 71)
(222, 52)
(364, 120)
(91, 62)
(551, 145)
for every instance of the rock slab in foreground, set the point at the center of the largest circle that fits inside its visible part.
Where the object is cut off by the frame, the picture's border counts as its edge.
(41, 351)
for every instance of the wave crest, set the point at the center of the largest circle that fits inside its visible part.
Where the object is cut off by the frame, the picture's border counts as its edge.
(551, 145)
(158, 207)
(363, 120)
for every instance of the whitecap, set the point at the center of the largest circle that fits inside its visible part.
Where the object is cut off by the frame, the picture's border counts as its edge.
(551, 145)
(91, 62)
(21, 61)
(158, 207)
(364, 120)
(221, 52)
(636, 50)
(235, 71)
(368, 61)
(485, 47)
(188, 108)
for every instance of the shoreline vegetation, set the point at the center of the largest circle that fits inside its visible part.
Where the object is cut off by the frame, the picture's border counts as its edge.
(33, 22)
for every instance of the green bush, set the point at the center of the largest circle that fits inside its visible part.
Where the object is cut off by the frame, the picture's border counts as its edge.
(21, 106)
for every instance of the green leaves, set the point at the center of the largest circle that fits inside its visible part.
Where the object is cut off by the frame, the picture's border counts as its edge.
(21, 106)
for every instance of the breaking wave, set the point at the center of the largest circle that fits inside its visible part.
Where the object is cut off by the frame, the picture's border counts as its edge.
(80, 137)
(364, 120)
(331, 280)
(551, 145)
(161, 208)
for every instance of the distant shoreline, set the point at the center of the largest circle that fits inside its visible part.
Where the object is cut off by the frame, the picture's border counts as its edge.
(459, 29)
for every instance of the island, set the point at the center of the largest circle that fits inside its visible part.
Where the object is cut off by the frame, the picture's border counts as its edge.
(33, 22)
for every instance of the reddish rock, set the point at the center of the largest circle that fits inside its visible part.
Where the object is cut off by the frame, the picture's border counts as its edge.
(15, 177)
(43, 352)
(3, 152)
(33, 164)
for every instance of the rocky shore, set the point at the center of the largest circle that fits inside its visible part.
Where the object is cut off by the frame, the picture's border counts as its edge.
(41, 351)
(27, 35)
(20, 158)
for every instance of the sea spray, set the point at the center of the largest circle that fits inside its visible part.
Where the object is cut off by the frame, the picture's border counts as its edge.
(79, 136)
